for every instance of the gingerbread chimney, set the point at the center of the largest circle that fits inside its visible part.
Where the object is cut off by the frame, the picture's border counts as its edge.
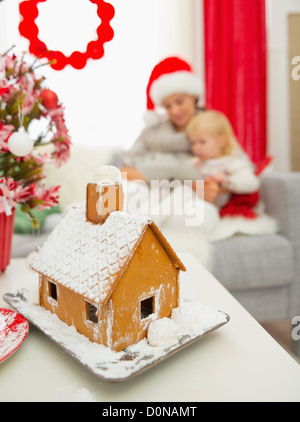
(104, 195)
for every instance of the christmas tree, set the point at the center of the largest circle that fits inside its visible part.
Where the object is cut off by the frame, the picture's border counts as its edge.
(24, 98)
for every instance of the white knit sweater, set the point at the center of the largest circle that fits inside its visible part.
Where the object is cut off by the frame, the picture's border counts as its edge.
(159, 139)
(238, 173)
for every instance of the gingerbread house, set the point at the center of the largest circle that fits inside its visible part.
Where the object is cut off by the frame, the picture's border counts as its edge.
(107, 273)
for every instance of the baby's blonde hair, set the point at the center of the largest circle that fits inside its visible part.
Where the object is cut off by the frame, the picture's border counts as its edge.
(217, 125)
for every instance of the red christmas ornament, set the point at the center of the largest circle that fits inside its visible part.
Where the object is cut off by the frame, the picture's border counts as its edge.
(95, 50)
(49, 99)
(4, 90)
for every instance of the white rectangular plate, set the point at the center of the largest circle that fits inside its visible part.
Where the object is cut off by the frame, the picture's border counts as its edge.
(104, 363)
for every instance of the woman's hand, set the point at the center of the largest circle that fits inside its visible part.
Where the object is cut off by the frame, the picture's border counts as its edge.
(132, 174)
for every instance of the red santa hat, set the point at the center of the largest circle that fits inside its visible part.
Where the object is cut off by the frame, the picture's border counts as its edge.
(170, 76)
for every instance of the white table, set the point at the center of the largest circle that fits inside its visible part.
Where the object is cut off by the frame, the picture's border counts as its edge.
(238, 362)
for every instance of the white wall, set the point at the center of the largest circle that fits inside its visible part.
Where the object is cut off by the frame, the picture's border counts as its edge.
(113, 114)
(189, 23)
(187, 27)
(278, 80)
(106, 100)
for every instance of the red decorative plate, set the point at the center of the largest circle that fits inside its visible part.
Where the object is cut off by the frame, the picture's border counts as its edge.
(13, 331)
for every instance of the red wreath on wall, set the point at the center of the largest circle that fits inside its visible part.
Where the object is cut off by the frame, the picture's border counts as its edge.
(95, 50)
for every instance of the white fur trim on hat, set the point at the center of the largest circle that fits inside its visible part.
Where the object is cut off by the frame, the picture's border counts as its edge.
(151, 118)
(173, 83)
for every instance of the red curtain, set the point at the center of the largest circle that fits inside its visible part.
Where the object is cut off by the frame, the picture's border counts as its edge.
(235, 64)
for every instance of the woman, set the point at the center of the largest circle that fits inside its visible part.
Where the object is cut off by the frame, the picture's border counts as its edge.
(174, 87)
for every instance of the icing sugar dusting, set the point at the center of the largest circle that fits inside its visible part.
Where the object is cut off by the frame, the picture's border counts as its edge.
(190, 318)
(162, 332)
(193, 316)
(107, 174)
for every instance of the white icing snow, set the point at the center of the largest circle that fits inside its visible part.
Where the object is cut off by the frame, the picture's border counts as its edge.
(189, 318)
(193, 317)
(107, 175)
(162, 332)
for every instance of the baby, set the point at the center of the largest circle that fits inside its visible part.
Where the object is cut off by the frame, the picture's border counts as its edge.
(218, 157)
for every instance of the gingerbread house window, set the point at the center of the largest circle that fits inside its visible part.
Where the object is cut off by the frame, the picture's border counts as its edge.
(91, 311)
(147, 307)
(52, 290)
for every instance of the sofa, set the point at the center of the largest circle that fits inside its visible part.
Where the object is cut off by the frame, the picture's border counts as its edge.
(261, 271)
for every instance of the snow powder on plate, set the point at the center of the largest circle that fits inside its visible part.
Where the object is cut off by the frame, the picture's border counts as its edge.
(194, 317)
(162, 332)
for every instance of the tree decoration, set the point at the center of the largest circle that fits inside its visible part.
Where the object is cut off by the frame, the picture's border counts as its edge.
(49, 99)
(20, 143)
(94, 50)
(22, 159)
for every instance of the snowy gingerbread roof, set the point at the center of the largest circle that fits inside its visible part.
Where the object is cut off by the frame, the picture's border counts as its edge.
(90, 258)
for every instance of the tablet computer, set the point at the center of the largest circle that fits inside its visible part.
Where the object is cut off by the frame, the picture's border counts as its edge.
(170, 171)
